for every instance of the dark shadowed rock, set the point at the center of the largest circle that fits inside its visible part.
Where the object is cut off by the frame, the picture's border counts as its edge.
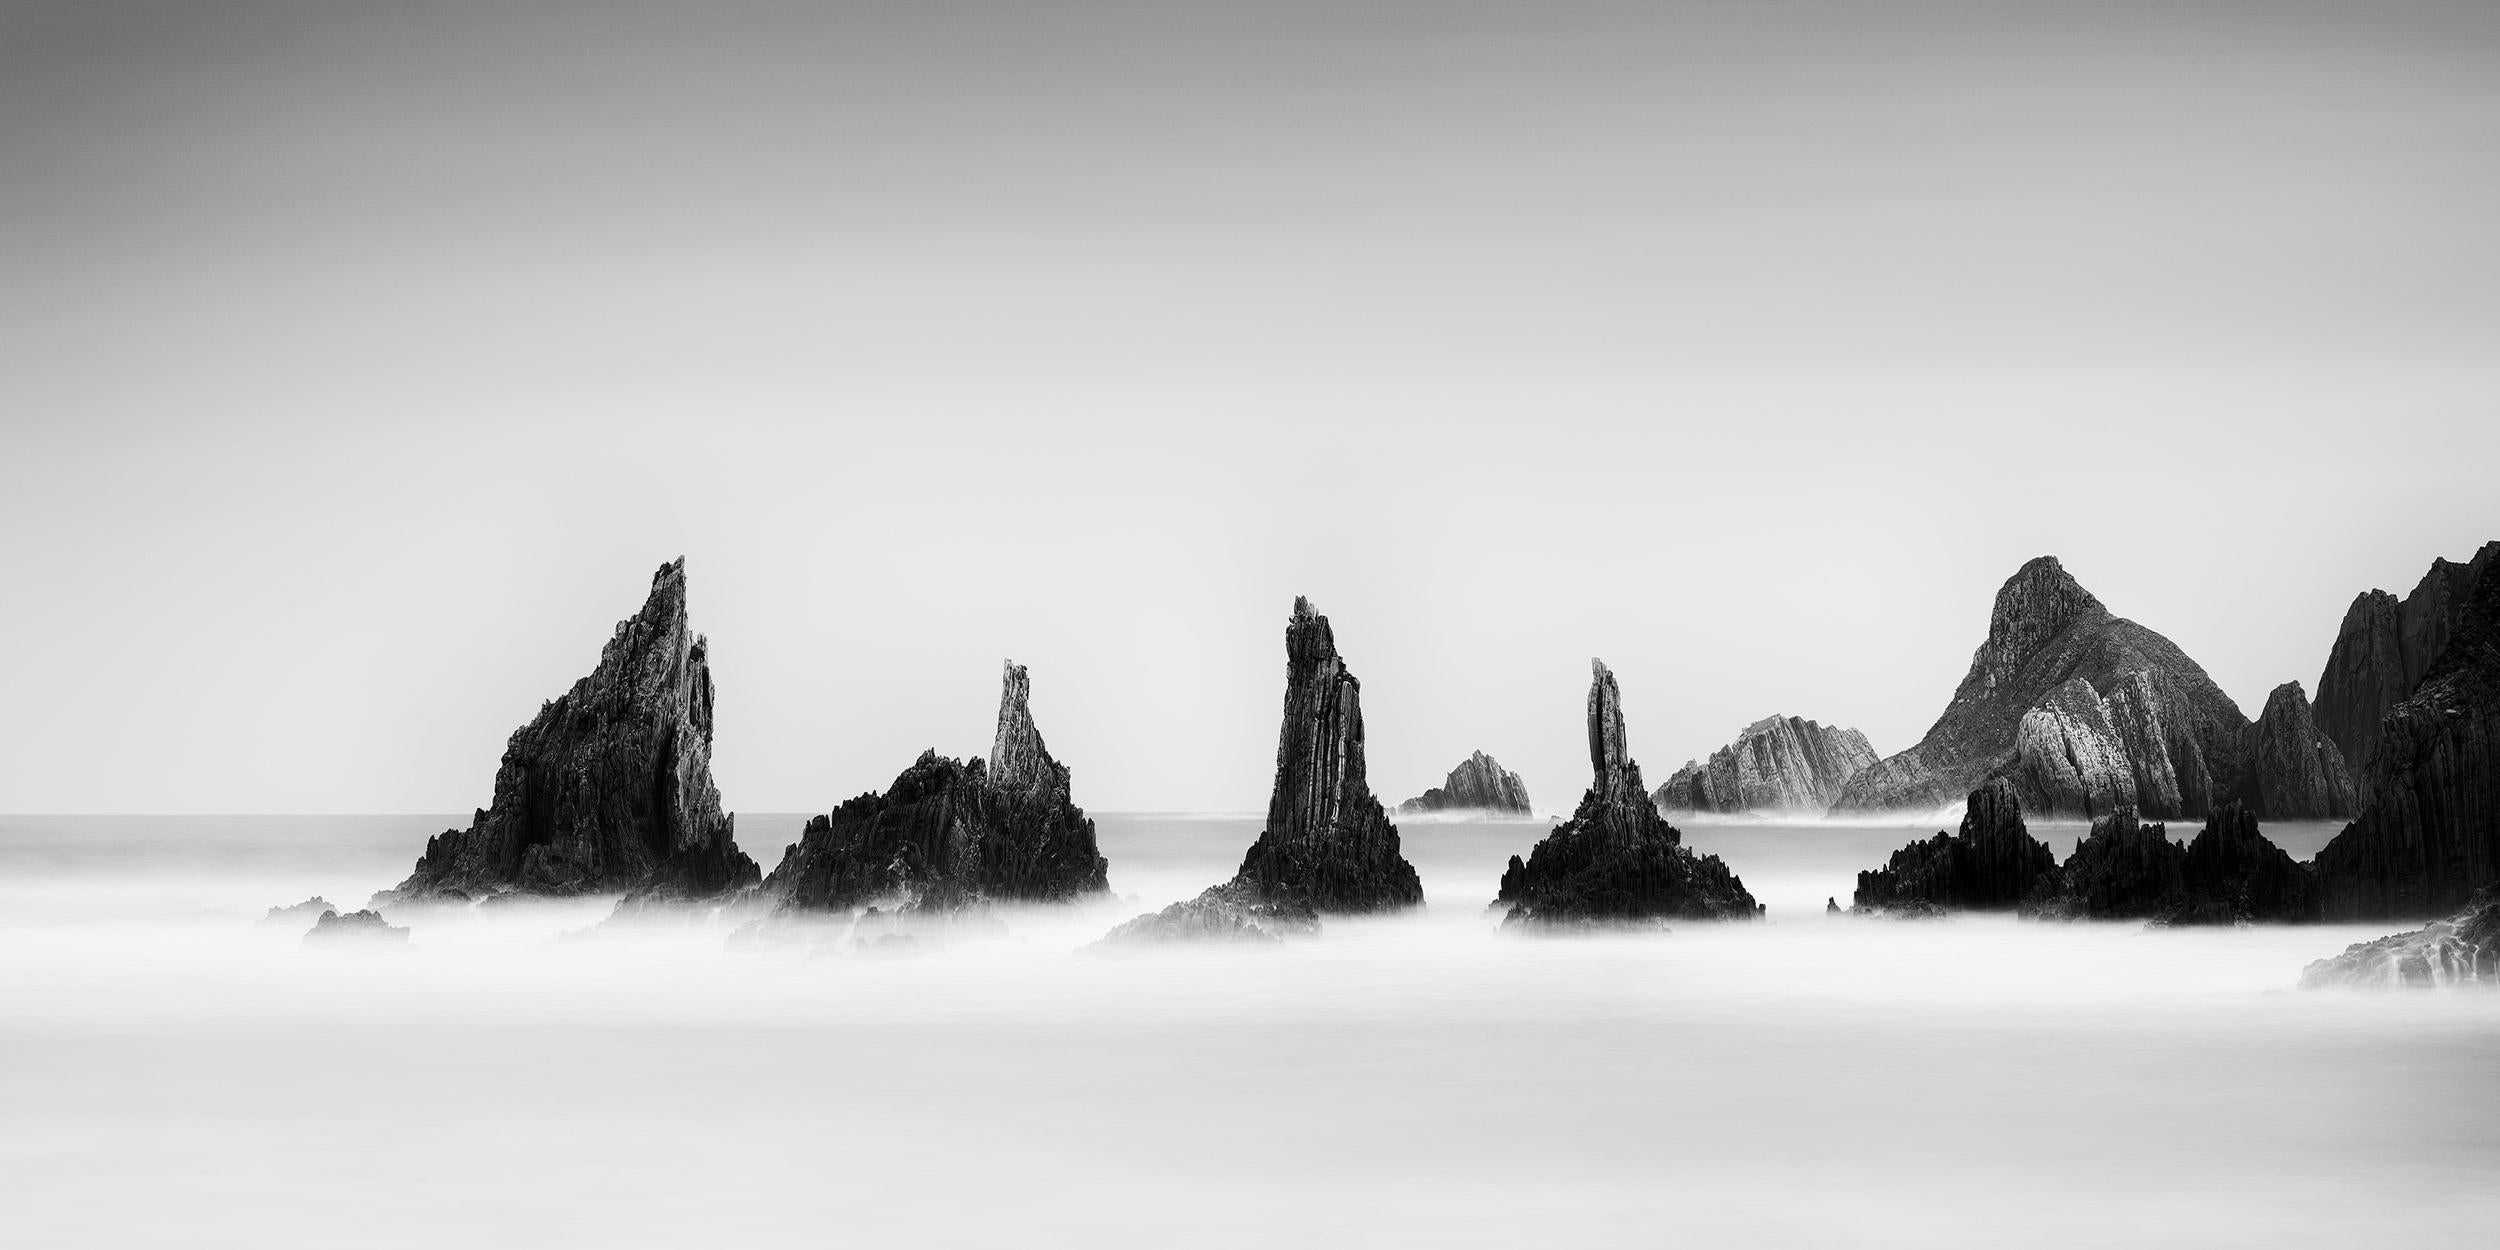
(2124, 870)
(1479, 783)
(2383, 652)
(2084, 711)
(355, 927)
(1617, 861)
(2294, 772)
(2463, 949)
(951, 835)
(2235, 875)
(2428, 837)
(610, 787)
(302, 913)
(1779, 764)
(1993, 863)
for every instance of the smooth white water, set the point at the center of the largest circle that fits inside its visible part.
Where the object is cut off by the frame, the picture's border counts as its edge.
(172, 1073)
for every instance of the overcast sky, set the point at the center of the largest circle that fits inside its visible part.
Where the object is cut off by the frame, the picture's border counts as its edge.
(359, 363)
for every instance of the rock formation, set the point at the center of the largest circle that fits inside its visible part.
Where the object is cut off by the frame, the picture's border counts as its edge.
(308, 910)
(1617, 861)
(2235, 875)
(949, 834)
(610, 787)
(2083, 711)
(2428, 836)
(2384, 650)
(1991, 864)
(2124, 870)
(2294, 772)
(1779, 764)
(1477, 784)
(2463, 949)
(356, 927)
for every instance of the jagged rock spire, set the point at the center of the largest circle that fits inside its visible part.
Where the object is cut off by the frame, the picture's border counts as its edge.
(1017, 756)
(1618, 779)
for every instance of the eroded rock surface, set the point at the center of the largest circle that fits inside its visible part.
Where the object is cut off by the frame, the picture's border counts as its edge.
(2463, 949)
(2384, 651)
(1479, 783)
(1779, 764)
(2294, 771)
(2235, 875)
(1991, 864)
(2124, 869)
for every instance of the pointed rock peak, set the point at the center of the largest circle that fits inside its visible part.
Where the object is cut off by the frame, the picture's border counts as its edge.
(1308, 634)
(1017, 756)
(1993, 807)
(2289, 695)
(2038, 603)
(1610, 759)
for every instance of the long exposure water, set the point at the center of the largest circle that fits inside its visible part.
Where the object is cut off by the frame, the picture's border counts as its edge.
(173, 1072)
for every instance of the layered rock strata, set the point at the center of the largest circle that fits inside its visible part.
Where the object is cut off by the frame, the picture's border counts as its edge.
(2084, 712)
(1479, 783)
(1779, 764)
(610, 787)
(2385, 649)
(952, 834)
(2463, 949)
(1617, 861)
(1991, 864)
(2294, 772)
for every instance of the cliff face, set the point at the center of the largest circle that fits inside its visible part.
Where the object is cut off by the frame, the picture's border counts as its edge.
(1779, 764)
(2428, 836)
(2083, 711)
(949, 834)
(2384, 651)
(1992, 863)
(1617, 860)
(2294, 771)
(610, 786)
(1479, 783)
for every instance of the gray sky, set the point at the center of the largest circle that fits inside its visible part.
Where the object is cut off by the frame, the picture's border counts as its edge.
(360, 366)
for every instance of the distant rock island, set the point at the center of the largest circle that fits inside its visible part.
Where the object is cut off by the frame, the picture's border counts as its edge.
(2083, 712)
(949, 834)
(610, 787)
(1479, 783)
(1779, 764)
(1992, 864)
(1617, 861)
(1328, 845)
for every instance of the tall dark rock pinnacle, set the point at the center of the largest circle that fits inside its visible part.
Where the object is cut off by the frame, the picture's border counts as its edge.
(1991, 864)
(2084, 712)
(2385, 649)
(951, 834)
(1479, 784)
(2294, 772)
(1617, 861)
(610, 786)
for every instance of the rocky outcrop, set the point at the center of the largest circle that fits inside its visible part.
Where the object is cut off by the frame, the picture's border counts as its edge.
(1223, 914)
(2463, 949)
(1479, 783)
(2384, 651)
(1617, 861)
(2428, 836)
(949, 835)
(301, 913)
(2294, 772)
(2085, 712)
(1779, 764)
(609, 787)
(354, 928)
(2235, 875)
(1991, 864)
(2123, 870)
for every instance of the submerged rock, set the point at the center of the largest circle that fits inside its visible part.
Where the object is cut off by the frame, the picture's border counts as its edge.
(1479, 783)
(1222, 914)
(951, 835)
(1779, 764)
(2084, 711)
(1991, 863)
(2294, 772)
(1617, 861)
(354, 927)
(2463, 949)
(2236, 875)
(609, 787)
(2124, 870)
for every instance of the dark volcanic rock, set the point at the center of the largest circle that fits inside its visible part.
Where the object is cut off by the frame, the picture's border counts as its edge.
(2084, 711)
(2125, 870)
(2428, 836)
(2294, 772)
(308, 910)
(2384, 651)
(1477, 784)
(1223, 914)
(2234, 875)
(949, 835)
(1780, 763)
(610, 787)
(1993, 863)
(2463, 949)
(1617, 861)
(356, 927)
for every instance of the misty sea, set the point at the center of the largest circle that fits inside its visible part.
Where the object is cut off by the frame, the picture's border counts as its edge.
(174, 1072)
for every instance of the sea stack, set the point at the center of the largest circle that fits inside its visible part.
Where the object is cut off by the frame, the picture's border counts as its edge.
(949, 835)
(2294, 771)
(1779, 764)
(2084, 712)
(2125, 869)
(1617, 861)
(1991, 864)
(1478, 784)
(610, 787)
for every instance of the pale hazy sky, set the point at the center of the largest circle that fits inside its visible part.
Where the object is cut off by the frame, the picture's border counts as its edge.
(359, 363)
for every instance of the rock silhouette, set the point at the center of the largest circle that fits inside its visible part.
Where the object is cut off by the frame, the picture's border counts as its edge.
(1779, 764)
(2123, 870)
(355, 927)
(2235, 875)
(1479, 783)
(1991, 864)
(2385, 649)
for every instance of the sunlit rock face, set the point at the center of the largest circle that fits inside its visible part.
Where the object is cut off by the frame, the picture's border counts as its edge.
(2428, 836)
(2463, 949)
(610, 787)
(1779, 764)
(2294, 771)
(1991, 864)
(950, 834)
(2385, 650)
(1617, 861)
(1479, 783)
(2084, 711)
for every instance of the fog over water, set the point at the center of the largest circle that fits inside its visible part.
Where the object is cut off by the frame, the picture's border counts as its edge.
(171, 1071)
